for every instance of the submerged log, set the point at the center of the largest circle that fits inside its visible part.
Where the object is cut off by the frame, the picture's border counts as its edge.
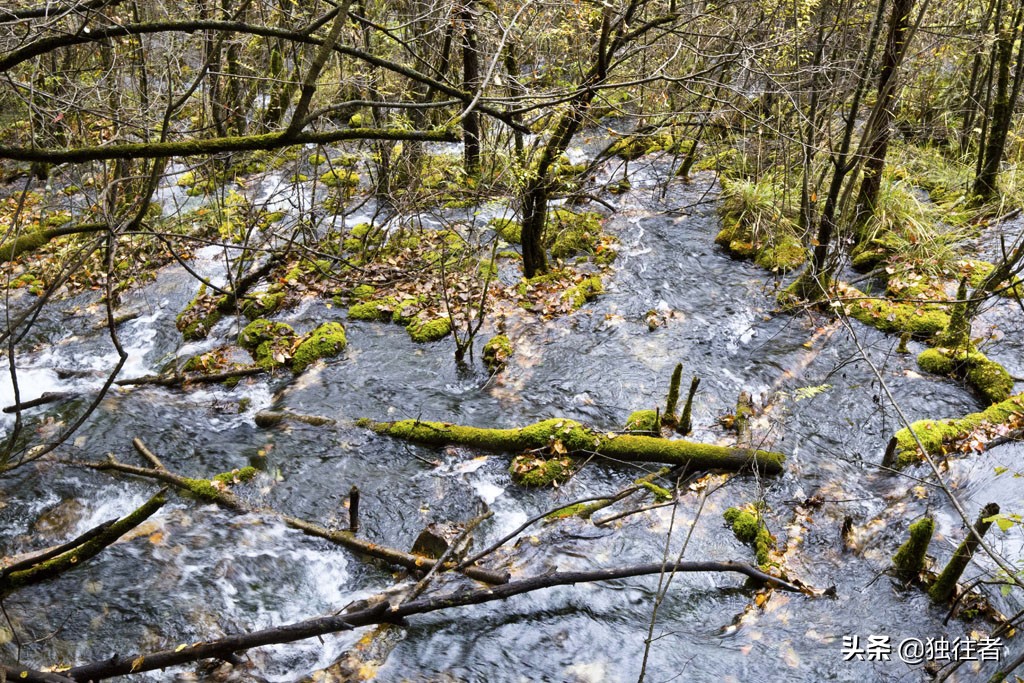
(909, 559)
(575, 438)
(944, 587)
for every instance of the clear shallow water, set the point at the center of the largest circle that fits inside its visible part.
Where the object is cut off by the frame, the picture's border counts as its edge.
(196, 572)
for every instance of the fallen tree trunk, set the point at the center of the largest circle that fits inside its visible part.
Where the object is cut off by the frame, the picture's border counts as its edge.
(575, 438)
(382, 612)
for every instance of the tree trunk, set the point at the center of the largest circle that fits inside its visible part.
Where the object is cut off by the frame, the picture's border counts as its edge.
(878, 138)
(470, 82)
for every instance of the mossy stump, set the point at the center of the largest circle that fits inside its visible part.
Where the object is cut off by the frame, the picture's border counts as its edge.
(563, 436)
(908, 562)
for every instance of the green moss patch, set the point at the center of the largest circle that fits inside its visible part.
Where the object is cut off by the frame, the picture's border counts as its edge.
(497, 351)
(572, 233)
(340, 178)
(643, 421)
(422, 331)
(584, 291)
(922, 321)
(270, 343)
(508, 229)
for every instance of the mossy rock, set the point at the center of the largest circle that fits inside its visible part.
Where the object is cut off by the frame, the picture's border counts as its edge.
(262, 330)
(939, 435)
(988, 378)
(643, 421)
(379, 310)
(423, 331)
(586, 290)
(340, 178)
(326, 341)
(263, 304)
(497, 351)
(508, 229)
(529, 470)
(746, 525)
(406, 309)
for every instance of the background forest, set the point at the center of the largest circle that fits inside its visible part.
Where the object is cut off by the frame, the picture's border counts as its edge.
(327, 323)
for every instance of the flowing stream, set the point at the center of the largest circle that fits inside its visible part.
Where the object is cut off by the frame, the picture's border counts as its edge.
(195, 572)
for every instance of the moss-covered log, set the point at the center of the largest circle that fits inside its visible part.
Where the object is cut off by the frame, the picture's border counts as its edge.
(937, 436)
(922, 321)
(909, 559)
(987, 377)
(575, 438)
(33, 240)
(76, 557)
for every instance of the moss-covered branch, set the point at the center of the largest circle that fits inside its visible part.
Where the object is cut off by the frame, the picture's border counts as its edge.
(243, 143)
(937, 436)
(575, 438)
(10, 582)
(33, 240)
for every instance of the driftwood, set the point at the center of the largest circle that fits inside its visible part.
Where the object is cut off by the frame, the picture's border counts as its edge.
(574, 438)
(204, 490)
(271, 418)
(381, 612)
(47, 397)
(58, 560)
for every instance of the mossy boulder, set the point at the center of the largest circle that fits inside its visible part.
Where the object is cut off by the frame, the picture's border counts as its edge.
(938, 436)
(379, 310)
(340, 178)
(326, 341)
(422, 331)
(643, 421)
(987, 377)
(270, 343)
(497, 351)
(508, 229)
(747, 526)
(529, 470)
(266, 303)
